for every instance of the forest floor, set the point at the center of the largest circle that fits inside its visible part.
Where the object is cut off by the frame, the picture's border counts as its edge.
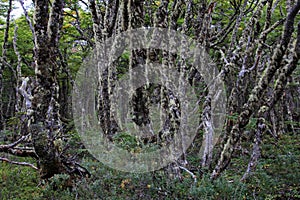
(277, 177)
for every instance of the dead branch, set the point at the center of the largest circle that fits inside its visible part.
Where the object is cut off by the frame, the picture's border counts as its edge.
(16, 151)
(12, 145)
(189, 172)
(18, 163)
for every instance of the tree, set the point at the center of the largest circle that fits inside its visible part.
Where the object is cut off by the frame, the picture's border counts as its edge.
(42, 120)
(238, 43)
(4, 61)
(45, 123)
(255, 47)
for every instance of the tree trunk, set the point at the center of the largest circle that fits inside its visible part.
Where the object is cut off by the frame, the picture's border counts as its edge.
(3, 64)
(45, 122)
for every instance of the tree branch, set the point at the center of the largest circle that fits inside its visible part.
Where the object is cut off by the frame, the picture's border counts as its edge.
(255, 96)
(18, 163)
(12, 145)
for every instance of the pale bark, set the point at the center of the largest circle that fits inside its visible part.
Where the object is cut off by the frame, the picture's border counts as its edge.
(45, 125)
(252, 103)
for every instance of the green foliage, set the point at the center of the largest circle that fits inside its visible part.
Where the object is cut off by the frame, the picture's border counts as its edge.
(125, 141)
(278, 173)
(56, 188)
(15, 120)
(277, 177)
(3, 9)
(132, 144)
(252, 124)
(73, 51)
(219, 189)
(18, 182)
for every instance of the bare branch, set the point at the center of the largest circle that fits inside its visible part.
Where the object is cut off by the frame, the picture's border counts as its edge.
(18, 163)
(17, 52)
(191, 173)
(21, 152)
(12, 145)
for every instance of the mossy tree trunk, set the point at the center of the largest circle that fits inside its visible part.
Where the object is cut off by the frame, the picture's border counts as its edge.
(45, 122)
(246, 46)
(253, 103)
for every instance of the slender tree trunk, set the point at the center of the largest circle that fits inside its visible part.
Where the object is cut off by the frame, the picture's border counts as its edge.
(3, 64)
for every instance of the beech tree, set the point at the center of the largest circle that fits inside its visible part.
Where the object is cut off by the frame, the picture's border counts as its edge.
(250, 56)
(42, 122)
(254, 43)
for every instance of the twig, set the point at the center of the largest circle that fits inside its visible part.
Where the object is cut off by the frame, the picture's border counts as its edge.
(191, 173)
(12, 145)
(18, 163)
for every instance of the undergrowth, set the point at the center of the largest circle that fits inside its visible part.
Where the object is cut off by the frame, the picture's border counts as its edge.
(277, 177)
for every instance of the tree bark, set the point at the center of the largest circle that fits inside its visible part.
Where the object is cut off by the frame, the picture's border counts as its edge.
(253, 102)
(4, 63)
(45, 120)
